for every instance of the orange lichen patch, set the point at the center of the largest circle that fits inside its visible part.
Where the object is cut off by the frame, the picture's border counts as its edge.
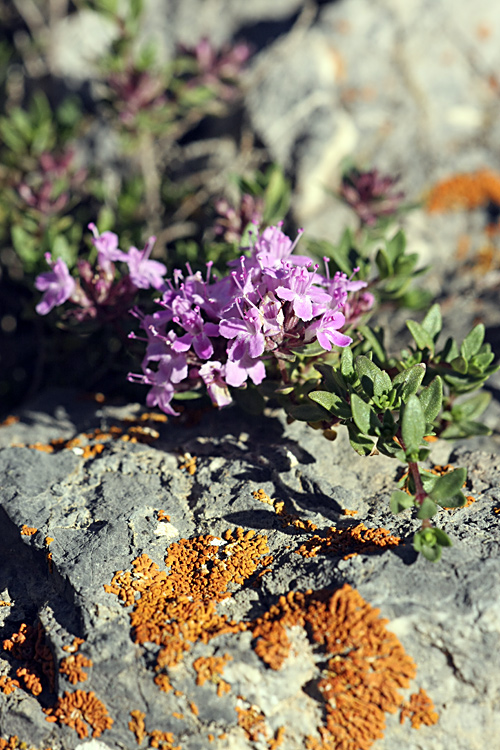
(163, 682)
(5, 604)
(49, 540)
(223, 688)
(347, 512)
(177, 715)
(348, 542)
(137, 726)
(273, 644)
(287, 519)
(28, 530)
(188, 463)
(440, 470)
(11, 419)
(78, 709)
(210, 668)
(7, 686)
(72, 666)
(162, 740)
(77, 642)
(50, 562)
(420, 710)
(143, 434)
(31, 678)
(28, 645)
(277, 740)
(41, 447)
(178, 608)
(252, 721)
(366, 663)
(162, 516)
(465, 192)
(11, 744)
(194, 708)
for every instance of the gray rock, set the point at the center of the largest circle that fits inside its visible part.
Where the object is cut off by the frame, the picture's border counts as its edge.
(102, 513)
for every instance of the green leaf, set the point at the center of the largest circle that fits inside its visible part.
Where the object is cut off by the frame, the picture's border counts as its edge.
(457, 501)
(433, 554)
(413, 424)
(374, 381)
(409, 380)
(401, 501)
(433, 321)
(362, 413)
(333, 403)
(396, 246)
(188, 395)
(442, 539)
(471, 408)
(423, 338)
(347, 363)
(448, 485)
(361, 444)
(427, 509)
(472, 342)
(464, 429)
(384, 264)
(306, 412)
(431, 399)
(430, 543)
(459, 364)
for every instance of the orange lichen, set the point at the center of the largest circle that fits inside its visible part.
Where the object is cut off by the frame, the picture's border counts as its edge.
(347, 512)
(11, 419)
(50, 562)
(188, 463)
(178, 608)
(465, 192)
(210, 668)
(137, 725)
(162, 516)
(277, 740)
(177, 715)
(287, 519)
(49, 540)
(162, 740)
(420, 710)
(31, 678)
(28, 645)
(348, 542)
(72, 666)
(163, 682)
(194, 708)
(5, 604)
(252, 720)
(78, 709)
(7, 686)
(223, 688)
(77, 642)
(366, 663)
(11, 744)
(28, 530)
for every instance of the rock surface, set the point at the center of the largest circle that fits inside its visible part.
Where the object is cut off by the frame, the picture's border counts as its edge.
(101, 508)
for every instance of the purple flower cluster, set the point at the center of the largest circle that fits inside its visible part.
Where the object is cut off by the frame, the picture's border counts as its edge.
(220, 332)
(97, 293)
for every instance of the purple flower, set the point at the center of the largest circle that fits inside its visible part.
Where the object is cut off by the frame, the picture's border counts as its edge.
(58, 285)
(107, 248)
(238, 370)
(197, 333)
(326, 330)
(145, 273)
(212, 374)
(307, 300)
(246, 331)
